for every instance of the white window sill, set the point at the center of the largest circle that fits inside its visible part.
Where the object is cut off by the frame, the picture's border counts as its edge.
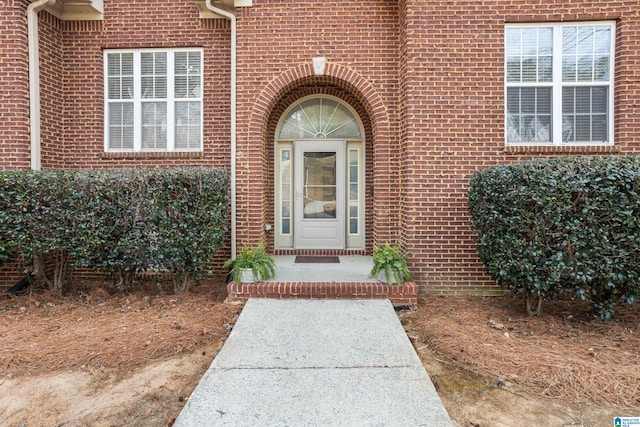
(585, 148)
(152, 154)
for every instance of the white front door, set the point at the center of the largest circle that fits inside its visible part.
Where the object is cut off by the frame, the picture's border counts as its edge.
(319, 194)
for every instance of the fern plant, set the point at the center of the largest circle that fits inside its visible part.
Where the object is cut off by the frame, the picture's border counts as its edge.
(390, 260)
(261, 264)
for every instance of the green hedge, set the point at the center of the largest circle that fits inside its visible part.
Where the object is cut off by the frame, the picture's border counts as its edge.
(121, 221)
(561, 226)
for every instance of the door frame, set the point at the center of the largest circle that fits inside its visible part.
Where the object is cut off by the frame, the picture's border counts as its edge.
(354, 186)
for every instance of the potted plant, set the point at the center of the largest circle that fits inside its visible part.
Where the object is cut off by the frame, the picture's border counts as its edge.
(252, 265)
(389, 264)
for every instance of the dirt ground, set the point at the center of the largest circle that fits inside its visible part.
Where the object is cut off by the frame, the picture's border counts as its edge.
(113, 360)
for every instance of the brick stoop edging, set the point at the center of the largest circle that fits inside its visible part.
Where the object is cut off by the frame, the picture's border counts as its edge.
(406, 294)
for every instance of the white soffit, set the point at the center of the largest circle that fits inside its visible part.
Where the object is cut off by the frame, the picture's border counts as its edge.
(228, 5)
(77, 10)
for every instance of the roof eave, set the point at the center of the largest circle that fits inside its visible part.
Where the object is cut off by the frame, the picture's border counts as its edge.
(77, 10)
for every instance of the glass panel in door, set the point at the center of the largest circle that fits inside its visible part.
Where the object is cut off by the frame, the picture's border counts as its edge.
(319, 205)
(319, 173)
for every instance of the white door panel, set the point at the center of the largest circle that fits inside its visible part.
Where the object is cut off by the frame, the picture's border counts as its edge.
(319, 194)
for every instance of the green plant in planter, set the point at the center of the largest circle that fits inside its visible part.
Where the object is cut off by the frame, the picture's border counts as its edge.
(388, 259)
(256, 260)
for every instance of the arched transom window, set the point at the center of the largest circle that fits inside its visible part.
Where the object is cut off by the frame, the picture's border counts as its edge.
(320, 118)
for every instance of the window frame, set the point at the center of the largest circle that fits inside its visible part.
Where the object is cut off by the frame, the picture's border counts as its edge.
(557, 84)
(137, 100)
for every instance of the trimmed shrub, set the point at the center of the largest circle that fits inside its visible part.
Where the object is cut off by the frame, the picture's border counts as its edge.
(37, 222)
(569, 226)
(120, 221)
(189, 213)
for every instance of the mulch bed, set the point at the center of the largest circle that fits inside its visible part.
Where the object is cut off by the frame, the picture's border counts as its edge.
(562, 353)
(565, 352)
(46, 332)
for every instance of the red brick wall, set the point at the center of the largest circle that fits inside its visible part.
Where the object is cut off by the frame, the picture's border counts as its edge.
(277, 41)
(14, 86)
(426, 77)
(72, 98)
(73, 131)
(52, 95)
(14, 100)
(453, 98)
(71, 59)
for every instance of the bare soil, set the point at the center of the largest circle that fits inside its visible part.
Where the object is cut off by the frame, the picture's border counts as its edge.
(112, 360)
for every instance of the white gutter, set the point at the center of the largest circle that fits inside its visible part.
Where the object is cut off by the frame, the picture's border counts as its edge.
(232, 18)
(34, 79)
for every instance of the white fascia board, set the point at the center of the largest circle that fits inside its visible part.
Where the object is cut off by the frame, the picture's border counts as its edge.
(77, 10)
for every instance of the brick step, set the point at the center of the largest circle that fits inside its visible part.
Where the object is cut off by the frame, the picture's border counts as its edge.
(406, 294)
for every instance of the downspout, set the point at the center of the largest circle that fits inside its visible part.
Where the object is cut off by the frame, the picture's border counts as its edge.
(232, 18)
(34, 79)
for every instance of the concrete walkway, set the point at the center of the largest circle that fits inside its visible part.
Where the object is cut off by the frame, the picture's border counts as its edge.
(315, 363)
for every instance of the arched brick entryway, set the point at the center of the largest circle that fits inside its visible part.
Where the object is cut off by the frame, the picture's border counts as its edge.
(256, 149)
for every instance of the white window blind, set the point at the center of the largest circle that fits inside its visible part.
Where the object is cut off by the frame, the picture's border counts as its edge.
(559, 83)
(153, 100)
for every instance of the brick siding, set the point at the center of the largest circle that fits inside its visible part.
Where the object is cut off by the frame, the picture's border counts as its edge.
(453, 119)
(73, 134)
(14, 86)
(276, 45)
(425, 77)
(405, 295)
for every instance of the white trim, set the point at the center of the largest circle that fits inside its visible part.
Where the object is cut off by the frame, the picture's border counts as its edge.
(311, 232)
(137, 100)
(306, 98)
(77, 10)
(34, 81)
(557, 84)
(356, 240)
(283, 240)
(208, 11)
(352, 241)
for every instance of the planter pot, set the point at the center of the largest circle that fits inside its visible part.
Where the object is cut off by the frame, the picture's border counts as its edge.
(395, 280)
(246, 276)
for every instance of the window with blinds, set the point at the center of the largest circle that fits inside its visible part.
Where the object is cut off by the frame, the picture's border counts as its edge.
(153, 100)
(559, 83)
